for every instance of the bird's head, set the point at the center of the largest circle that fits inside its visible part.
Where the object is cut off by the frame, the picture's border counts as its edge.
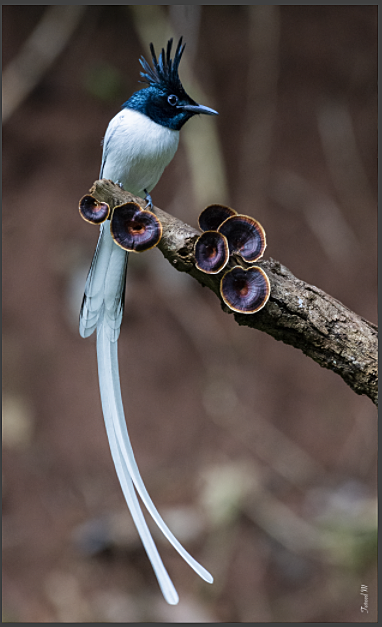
(164, 100)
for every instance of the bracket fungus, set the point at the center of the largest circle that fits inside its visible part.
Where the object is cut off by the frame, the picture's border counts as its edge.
(211, 252)
(212, 217)
(245, 291)
(245, 236)
(135, 229)
(93, 211)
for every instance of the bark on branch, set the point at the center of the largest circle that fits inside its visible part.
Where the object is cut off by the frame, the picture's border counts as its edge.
(297, 313)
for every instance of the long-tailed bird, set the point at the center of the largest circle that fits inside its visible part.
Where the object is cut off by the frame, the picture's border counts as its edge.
(139, 143)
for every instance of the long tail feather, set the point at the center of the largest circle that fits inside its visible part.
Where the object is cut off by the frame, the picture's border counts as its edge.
(102, 309)
(127, 486)
(109, 383)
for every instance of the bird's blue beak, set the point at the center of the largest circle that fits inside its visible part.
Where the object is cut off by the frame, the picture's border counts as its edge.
(197, 108)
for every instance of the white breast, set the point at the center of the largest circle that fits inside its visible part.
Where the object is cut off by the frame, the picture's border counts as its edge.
(136, 151)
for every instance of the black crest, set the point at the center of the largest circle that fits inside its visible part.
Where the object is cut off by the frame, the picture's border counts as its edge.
(164, 70)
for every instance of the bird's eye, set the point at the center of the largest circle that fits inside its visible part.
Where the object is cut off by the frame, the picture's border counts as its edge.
(172, 100)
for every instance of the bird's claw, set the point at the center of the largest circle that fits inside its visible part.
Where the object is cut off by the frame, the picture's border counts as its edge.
(148, 200)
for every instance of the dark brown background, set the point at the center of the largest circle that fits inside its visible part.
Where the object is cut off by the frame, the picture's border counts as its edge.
(270, 459)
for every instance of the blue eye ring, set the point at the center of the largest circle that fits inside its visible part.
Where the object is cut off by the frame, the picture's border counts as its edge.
(172, 100)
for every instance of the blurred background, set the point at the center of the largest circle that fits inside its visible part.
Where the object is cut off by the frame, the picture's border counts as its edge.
(262, 463)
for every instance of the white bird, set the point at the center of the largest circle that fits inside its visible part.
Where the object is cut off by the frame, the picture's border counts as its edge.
(139, 143)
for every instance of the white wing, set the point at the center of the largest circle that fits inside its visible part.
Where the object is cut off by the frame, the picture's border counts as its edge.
(105, 287)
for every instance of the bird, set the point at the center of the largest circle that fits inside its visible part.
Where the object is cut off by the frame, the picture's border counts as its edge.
(140, 141)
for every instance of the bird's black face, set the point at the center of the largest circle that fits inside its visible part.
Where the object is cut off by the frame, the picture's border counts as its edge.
(165, 108)
(168, 108)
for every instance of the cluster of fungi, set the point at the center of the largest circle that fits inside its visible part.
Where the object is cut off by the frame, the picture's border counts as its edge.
(226, 234)
(229, 234)
(134, 229)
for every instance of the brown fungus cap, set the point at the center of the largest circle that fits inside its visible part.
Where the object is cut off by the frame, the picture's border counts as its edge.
(92, 210)
(211, 252)
(245, 291)
(245, 236)
(134, 228)
(212, 216)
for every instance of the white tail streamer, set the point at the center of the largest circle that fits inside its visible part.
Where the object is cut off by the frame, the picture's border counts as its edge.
(126, 466)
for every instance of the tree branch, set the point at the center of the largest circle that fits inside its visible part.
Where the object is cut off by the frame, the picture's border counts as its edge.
(297, 313)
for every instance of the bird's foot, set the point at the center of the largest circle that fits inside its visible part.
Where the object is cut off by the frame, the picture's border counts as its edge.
(119, 184)
(148, 200)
